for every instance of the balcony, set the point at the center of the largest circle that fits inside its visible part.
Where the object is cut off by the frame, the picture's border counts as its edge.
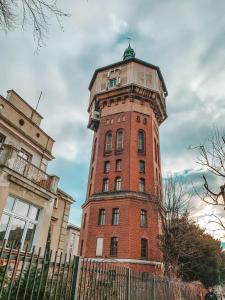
(10, 159)
(31, 172)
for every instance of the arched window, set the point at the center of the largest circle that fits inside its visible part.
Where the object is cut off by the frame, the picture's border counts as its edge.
(114, 246)
(141, 141)
(119, 140)
(105, 187)
(143, 218)
(108, 142)
(141, 166)
(141, 185)
(94, 150)
(118, 181)
(144, 248)
(115, 216)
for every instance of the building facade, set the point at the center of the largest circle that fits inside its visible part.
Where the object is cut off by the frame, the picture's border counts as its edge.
(72, 240)
(122, 212)
(32, 207)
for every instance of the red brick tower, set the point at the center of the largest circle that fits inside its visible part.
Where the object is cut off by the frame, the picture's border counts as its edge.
(121, 218)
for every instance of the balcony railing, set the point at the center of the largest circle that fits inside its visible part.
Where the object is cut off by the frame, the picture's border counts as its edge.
(31, 172)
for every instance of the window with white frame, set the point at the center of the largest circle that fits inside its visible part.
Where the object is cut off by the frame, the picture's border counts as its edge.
(18, 224)
(118, 182)
(112, 82)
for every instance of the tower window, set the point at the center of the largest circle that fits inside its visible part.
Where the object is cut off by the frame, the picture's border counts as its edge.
(105, 185)
(118, 165)
(94, 150)
(108, 142)
(143, 218)
(141, 166)
(119, 140)
(141, 141)
(101, 217)
(144, 248)
(141, 185)
(118, 181)
(81, 247)
(156, 158)
(114, 246)
(112, 82)
(84, 222)
(115, 216)
(106, 167)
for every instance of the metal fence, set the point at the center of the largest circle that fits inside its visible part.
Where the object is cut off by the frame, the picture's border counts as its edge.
(26, 275)
(54, 276)
(108, 281)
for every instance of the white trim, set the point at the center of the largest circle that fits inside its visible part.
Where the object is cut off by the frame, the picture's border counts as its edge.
(128, 260)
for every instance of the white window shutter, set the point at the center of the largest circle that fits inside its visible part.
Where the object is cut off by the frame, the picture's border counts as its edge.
(99, 247)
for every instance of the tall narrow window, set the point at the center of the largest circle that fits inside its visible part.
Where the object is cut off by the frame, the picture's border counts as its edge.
(156, 158)
(84, 222)
(101, 217)
(114, 246)
(118, 181)
(119, 140)
(141, 185)
(99, 246)
(81, 247)
(144, 248)
(94, 150)
(118, 165)
(143, 218)
(115, 216)
(108, 142)
(141, 141)
(105, 187)
(158, 154)
(141, 166)
(24, 159)
(106, 167)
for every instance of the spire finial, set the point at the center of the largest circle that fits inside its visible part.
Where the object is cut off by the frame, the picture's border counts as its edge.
(129, 39)
(129, 52)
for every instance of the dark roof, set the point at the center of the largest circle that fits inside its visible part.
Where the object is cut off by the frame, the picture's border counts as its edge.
(123, 62)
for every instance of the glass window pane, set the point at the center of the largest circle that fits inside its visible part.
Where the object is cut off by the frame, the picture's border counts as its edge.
(16, 233)
(29, 236)
(21, 208)
(33, 213)
(9, 203)
(3, 227)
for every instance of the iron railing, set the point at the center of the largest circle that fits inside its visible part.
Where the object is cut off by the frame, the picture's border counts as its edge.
(109, 281)
(31, 172)
(54, 276)
(31, 276)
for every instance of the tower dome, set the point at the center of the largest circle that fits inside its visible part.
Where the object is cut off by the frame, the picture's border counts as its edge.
(128, 53)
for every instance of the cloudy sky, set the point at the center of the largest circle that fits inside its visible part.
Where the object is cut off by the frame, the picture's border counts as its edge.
(186, 39)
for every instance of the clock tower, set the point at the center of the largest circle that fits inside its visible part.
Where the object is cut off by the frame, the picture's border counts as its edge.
(121, 215)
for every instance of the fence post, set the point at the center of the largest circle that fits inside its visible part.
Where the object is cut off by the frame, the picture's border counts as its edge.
(75, 277)
(154, 287)
(127, 296)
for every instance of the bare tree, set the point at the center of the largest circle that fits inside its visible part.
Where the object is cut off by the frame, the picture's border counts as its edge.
(15, 13)
(212, 158)
(175, 239)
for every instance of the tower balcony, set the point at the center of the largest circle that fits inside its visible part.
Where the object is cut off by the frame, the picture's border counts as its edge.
(94, 120)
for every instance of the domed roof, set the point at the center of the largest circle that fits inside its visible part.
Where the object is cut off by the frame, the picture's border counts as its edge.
(128, 53)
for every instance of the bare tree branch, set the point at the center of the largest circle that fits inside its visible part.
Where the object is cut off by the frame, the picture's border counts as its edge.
(20, 12)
